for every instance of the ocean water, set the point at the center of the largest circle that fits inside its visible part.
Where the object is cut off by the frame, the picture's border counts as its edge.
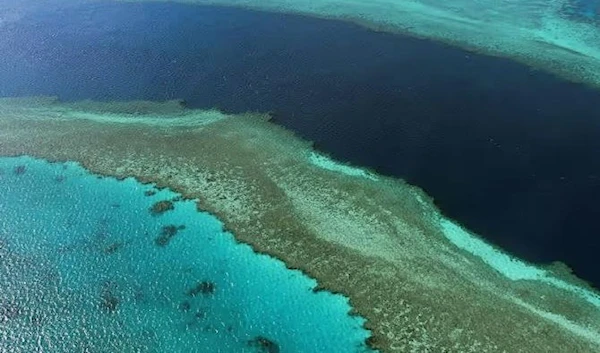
(584, 9)
(86, 266)
(507, 150)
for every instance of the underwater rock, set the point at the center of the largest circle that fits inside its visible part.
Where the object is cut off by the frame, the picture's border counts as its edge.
(108, 300)
(112, 248)
(166, 234)
(185, 306)
(204, 287)
(196, 322)
(161, 207)
(20, 170)
(9, 311)
(264, 345)
(59, 178)
(200, 314)
(196, 319)
(150, 192)
(138, 295)
(37, 319)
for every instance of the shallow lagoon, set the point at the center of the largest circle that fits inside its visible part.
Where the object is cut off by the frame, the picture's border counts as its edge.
(92, 262)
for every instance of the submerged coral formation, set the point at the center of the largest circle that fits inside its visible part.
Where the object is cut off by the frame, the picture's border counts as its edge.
(113, 248)
(108, 299)
(166, 234)
(161, 207)
(422, 282)
(264, 345)
(203, 287)
(20, 170)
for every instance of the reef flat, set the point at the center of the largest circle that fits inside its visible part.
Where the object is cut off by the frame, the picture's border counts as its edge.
(539, 33)
(423, 283)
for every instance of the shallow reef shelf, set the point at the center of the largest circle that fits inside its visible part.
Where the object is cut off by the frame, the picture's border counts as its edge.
(422, 282)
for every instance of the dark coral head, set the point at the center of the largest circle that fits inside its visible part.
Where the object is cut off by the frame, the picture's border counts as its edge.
(161, 207)
(108, 299)
(204, 287)
(150, 192)
(166, 234)
(20, 170)
(9, 311)
(113, 248)
(264, 345)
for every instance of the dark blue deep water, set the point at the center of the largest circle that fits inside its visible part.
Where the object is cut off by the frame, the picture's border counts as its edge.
(583, 9)
(509, 151)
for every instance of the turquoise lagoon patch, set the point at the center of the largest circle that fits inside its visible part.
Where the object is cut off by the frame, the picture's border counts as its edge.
(88, 265)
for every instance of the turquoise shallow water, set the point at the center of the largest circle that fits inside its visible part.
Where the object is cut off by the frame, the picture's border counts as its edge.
(86, 267)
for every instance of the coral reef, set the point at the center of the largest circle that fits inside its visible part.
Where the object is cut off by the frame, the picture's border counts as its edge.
(161, 207)
(113, 248)
(150, 192)
(203, 287)
(421, 282)
(109, 302)
(264, 345)
(166, 234)
(20, 170)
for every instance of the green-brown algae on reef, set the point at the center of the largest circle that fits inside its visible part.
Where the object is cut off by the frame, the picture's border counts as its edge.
(376, 240)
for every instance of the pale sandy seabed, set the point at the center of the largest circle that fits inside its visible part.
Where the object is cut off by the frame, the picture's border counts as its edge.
(423, 283)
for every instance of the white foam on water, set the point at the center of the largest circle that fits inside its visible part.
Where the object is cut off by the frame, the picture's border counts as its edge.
(329, 164)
